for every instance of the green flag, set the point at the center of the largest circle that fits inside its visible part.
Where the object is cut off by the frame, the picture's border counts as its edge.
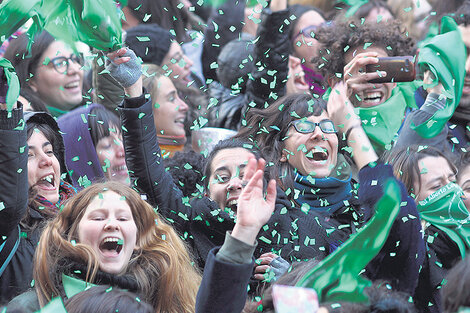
(94, 22)
(13, 83)
(337, 278)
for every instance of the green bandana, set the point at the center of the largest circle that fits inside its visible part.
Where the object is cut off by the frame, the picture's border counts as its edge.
(13, 83)
(382, 122)
(94, 22)
(55, 306)
(445, 56)
(337, 278)
(55, 112)
(446, 210)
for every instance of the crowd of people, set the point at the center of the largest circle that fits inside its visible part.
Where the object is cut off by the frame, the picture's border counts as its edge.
(230, 148)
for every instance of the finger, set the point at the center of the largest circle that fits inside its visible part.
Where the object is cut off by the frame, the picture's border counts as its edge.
(255, 182)
(250, 168)
(122, 60)
(265, 260)
(261, 269)
(259, 276)
(358, 63)
(261, 164)
(355, 88)
(268, 254)
(271, 193)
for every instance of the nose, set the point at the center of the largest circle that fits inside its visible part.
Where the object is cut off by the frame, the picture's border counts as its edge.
(187, 61)
(235, 184)
(73, 68)
(46, 160)
(111, 224)
(119, 148)
(317, 133)
(182, 106)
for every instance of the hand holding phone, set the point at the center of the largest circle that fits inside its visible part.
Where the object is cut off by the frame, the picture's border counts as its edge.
(398, 69)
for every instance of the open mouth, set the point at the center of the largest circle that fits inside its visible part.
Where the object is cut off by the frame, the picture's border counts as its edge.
(300, 83)
(46, 182)
(119, 168)
(180, 120)
(373, 98)
(111, 245)
(317, 154)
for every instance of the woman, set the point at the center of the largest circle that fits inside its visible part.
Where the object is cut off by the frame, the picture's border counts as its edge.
(299, 134)
(52, 71)
(429, 176)
(108, 235)
(93, 142)
(169, 111)
(32, 190)
(287, 231)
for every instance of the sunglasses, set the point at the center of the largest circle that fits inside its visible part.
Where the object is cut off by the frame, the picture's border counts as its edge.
(61, 64)
(309, 31)
(307, 127)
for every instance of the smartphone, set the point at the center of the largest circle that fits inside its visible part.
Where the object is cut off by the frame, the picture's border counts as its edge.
(399, 69)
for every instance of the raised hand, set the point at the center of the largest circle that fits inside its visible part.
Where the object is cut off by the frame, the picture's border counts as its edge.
(356, 77)
(254, 210)
(340, 109)
(126, 70)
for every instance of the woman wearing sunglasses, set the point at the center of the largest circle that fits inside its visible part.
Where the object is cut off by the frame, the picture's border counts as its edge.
(51, 71)
(300, 135)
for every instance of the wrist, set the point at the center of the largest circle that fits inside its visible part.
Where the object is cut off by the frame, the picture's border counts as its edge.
(247, 234)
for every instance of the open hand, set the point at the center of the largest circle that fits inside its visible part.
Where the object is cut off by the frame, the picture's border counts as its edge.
(254, 210)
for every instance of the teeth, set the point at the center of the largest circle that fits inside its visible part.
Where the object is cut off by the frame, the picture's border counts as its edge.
(72, 85)
(373, 97)
(120, 168)
(110, 240)
(232, 203)
(180, 120)
(48, 178)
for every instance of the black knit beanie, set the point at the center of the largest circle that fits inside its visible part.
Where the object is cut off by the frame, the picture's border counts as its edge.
(150, 42)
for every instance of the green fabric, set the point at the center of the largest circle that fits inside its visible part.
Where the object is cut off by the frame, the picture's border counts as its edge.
(13, 83)
(382, 122)
(218, 3)
(73, 285)
(446, 210)
(94, 22)
(444, 55)
(55, 112)
(354, 5)
(55, 306)
(337, 278)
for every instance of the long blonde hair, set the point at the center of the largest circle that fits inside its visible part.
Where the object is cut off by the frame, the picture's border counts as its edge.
(161, 264)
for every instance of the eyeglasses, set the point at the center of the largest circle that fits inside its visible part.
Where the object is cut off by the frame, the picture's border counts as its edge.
(307, 127)
(61, 64)
(310, 30)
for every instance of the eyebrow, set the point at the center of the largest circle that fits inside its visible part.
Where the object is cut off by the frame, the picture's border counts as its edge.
(47, 143)
(225, 168)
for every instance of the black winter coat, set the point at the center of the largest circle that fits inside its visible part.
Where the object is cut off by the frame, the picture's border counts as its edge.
(199, 220)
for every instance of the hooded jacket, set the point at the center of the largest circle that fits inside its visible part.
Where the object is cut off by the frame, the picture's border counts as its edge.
(18, 241)
(80, 155)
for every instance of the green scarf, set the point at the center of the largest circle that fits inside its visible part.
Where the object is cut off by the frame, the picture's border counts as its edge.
(445, 56)
(94, 22)
(382, 122)
(337, 278)
(55, 112)
(445, 210)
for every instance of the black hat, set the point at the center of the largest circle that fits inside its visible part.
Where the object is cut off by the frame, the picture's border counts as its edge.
(150, 42)
(236, 62)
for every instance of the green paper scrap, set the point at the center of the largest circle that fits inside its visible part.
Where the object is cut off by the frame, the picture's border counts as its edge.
(445, 56)
(94, 22)
(218, 3)
(13, 83)
(336, 278)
